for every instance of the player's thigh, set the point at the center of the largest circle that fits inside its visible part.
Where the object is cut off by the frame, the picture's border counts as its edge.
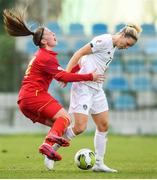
(99, 102)
(50, 109)
(41, 108)
(81, 99)
(101, 120)
(35, 117)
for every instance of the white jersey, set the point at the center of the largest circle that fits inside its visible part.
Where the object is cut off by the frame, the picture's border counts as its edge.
(103, 51)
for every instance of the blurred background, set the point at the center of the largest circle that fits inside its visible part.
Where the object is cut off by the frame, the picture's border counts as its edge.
(131, 84)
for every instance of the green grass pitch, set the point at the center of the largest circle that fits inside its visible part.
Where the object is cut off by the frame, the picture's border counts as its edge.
(133, 156)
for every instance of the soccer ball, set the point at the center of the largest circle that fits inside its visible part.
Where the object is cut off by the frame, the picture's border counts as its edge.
(85, 159)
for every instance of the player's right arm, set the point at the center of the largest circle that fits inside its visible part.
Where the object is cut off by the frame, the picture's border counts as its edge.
(95, 45)
(85, 50)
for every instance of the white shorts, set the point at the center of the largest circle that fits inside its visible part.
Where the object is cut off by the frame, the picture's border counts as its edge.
(87, 100)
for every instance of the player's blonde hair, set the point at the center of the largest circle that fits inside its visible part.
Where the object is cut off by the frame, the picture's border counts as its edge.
(131, 31)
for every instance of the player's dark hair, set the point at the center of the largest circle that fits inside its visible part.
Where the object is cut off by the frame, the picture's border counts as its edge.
(15, 25)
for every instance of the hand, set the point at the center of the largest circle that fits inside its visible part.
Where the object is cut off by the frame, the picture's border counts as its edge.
(99, 78)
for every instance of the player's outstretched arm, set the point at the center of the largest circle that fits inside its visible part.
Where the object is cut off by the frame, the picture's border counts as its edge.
(72, 77)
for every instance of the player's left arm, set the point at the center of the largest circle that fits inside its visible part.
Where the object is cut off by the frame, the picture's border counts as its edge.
(77, 55)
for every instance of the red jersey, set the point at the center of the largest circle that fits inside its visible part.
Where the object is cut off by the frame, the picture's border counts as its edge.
(42, 69)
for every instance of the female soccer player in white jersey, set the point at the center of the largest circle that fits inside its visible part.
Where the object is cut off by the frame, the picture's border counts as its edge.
(89, 97)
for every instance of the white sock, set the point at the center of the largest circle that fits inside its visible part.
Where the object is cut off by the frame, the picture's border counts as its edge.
(69, 134)
(100, 140)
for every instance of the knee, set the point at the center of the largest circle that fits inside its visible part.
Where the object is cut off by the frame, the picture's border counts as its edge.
(78, 129)
(65, 119)
(68, 121)
(103, 127)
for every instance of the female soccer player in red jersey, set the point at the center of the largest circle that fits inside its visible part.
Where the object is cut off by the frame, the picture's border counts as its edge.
(34, 100)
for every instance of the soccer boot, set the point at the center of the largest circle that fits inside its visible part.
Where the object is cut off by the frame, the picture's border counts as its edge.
(47, 150)
(49, 163)
(103, 168)
(57, 139)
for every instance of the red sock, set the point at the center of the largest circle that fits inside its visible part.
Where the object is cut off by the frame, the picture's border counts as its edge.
(58, 128)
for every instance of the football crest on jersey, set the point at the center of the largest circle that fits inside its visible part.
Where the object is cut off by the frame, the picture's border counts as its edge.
(85, 106)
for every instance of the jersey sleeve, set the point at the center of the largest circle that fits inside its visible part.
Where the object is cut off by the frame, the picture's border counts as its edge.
(53, 68)
(75, 68)
(72, 77)
(98, 43)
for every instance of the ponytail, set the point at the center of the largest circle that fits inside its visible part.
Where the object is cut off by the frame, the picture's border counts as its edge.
(131, 30)
(14, 23)
(15, 26)
(136, 27)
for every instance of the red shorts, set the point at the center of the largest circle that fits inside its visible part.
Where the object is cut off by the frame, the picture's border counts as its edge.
(39, 108)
